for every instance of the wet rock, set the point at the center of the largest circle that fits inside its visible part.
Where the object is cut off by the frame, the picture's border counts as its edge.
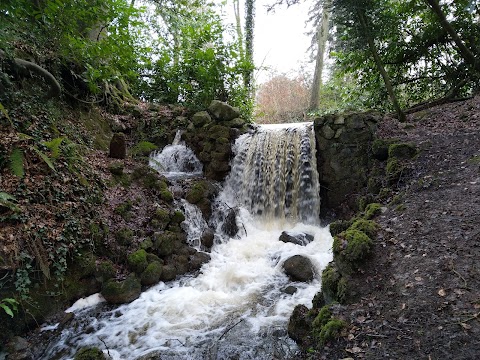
(120, 292)
(137, 261)
(152, 273)
(197, 260)
(169, 273)
(164, 243)
(89, 353)
(222, 111)
(236, 123)
(299, 268)
(296, 238)
(229, 226)
(207, 238)
(201, 118)
(299, 324)
(118, 146)
(290, 290)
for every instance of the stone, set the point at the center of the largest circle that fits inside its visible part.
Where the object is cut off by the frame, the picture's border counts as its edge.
(207, 238)
(229, 226)
(201, 118)
(89, 353)
(197, 260)
(222, 111)
(151, 275)
(121, 292)
(296, 238)
(236, 123)
(299, 324)
(118, 146)
(137, 261)
(327, 132)
(164, 243)
(169, 273)
(290, 290)
(299, 268)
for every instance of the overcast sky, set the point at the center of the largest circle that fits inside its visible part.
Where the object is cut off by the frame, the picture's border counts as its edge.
(280, 42)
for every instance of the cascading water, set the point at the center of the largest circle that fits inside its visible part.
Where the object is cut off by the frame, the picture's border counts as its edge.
(236, 307)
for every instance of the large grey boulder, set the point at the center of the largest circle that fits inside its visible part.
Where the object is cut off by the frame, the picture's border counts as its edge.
(222, 111)
(299, 268)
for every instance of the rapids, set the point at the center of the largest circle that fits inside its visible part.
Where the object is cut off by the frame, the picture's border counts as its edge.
(236, 306)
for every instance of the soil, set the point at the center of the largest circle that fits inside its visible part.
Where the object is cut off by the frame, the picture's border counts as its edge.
(420, 292)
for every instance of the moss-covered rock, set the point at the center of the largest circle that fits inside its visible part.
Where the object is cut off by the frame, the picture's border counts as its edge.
(352, 246)
(120, 292)
(299, 324)
(143, 148)
(116, 168)
(402, 151)
(151, 275)
(177, 217)
(105, 270)
(124, 210)
(160, 219)
(329, 331)
(380, 149)
(89, 353)
(330, 279)
(338, 226)
(322, 318)
(394, 170)
(165, 243)
(137, 261)
(372, 210)
(124, 236)
(369, 227)
(201, 119)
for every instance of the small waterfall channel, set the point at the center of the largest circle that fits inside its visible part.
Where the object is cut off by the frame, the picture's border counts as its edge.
(236, 307)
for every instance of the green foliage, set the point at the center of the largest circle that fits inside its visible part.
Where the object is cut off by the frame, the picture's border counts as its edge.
(330, 331)
(137, 261)
(352, 246)
(324, 315)
(143, 148)
(372, 210)
(54, 146)
(16, 162)
(368, 227)
(7, 200)
(9, 305)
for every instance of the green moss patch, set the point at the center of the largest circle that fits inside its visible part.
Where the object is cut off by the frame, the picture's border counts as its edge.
(137, 261)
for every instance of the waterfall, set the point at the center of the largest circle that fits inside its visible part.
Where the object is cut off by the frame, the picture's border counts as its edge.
(236, 306)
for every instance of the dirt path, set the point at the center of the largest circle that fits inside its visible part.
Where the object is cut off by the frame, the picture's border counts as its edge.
(421, 290)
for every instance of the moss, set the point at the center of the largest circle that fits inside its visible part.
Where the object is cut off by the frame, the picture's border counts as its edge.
(178, 217)
(105, 271)
(137, 261)
(151, 275)
(166, 195)
(402, 151)
(330, 331)
(380, 149)
(143, 148)
(394, 170)
(330, 279)
(146, 244)
(400, 207)
(89, 353)
(124, 236)
(124, 210)
(116, 168)
(353, 246)
(338, 226)
(474, 160)
(342, 290)
(196, 193)
(369, 227)
(324, 315)
(160, 219)
(165, 243)
(372, 210)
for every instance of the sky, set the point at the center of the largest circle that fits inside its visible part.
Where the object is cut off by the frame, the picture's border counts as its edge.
(280, 40)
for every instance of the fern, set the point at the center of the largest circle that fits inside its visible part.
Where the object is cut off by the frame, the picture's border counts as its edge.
(9, 306)
(2, 110)
(44, 157)
(54, 146)
(16, 162)
(6, 201)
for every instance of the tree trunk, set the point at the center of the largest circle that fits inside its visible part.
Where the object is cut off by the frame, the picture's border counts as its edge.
(238, 27)
(378, 62)
(322, 37)
(249, 26)
(467, 55)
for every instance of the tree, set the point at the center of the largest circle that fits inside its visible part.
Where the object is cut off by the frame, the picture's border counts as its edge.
(323, 27)
(249, 31)
(282, 99)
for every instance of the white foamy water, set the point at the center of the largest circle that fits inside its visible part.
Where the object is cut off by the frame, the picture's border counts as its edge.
(235, 307)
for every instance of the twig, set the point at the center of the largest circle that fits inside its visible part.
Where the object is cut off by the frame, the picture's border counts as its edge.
(461, 277)
(178, 341)
(230, 328)
(376, 335)
(106, 347)
(244, 229)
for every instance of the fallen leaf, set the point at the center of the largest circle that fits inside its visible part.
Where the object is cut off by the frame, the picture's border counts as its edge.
(418, 278)
(465, 326)
(442, 292)
(354, 350)
(404, 306)
(361, 319)
(351, 337)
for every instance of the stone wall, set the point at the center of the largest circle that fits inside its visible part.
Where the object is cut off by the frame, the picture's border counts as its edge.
(343, 158)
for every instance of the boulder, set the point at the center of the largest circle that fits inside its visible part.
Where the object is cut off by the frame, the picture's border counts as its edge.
(222, 111)
(207, 238)
(299, 324)
(229, 226)
(118, 146)
(121, 292)
(299, 268)
(296, 238)
(201, 118)
(152, 273)
(197, 260)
